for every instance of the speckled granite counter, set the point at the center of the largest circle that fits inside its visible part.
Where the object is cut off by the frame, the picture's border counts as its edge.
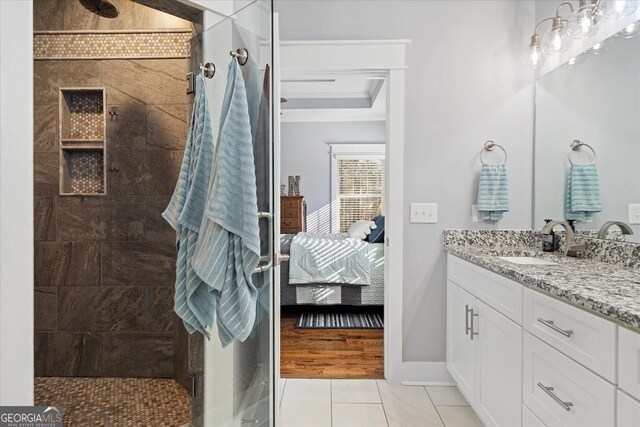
(604, 288)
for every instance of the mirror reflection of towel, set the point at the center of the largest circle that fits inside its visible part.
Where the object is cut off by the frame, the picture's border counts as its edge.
(582, 195)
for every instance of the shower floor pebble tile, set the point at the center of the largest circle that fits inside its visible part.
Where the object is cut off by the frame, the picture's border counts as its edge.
(127, 402)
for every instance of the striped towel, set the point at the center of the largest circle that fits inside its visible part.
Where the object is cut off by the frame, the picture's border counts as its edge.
(228, 249)
(582, 195)
(193, 302)
(493, 192)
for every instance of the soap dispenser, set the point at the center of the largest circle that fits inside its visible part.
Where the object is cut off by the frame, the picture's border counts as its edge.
(548, 240)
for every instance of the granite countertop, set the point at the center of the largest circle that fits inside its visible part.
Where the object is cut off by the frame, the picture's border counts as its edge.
(607, 289)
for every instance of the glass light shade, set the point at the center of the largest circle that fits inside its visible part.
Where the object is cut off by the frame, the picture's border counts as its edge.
(584, 22)
(533, 57)
(630, 30)
(615, 9)
(555, 41)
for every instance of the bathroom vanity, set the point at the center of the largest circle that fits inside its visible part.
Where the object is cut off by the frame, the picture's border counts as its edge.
(544, 341)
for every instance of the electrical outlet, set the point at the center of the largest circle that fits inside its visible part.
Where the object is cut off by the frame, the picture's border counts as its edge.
(634, 213)
(426, 213)
(475, 214)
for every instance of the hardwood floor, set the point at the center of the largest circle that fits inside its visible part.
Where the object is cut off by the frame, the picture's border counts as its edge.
(329, 353)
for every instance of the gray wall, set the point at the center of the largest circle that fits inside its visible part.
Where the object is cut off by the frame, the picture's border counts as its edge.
(305, 152)
(465, 84)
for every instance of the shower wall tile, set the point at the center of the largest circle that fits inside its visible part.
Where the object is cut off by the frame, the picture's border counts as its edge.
(164, 167)
(49, 76)
(126, 131)
(46, 308)
(45, 174)
(40, 343)
(138, 264)
(167, 126)
(88, 218)
(132, 178)
(72, 354)
(155, 227)
(102, 309)
(44, 218)
(67, 264)
(138, 355)
(45, 128)
(145, 81)
(159, 309)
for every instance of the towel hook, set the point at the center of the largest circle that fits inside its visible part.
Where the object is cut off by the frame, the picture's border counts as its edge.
(489, 146)
(209, 70)
(241, 54)
(575, 146)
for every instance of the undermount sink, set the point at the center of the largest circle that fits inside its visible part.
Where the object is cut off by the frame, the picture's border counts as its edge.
(527, 260)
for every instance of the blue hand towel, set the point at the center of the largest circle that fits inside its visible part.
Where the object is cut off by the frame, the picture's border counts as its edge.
(193, 302)
(493, 192)
(228, 249)
(582, 196)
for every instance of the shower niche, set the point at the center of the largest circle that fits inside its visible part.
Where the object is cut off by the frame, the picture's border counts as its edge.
(82, 124)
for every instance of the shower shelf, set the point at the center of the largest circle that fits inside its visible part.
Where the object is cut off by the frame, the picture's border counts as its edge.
(82, 129)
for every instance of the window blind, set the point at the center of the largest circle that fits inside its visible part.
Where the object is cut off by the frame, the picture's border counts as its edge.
(360, 190)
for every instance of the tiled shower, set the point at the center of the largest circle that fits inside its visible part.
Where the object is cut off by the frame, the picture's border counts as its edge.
(110, 124)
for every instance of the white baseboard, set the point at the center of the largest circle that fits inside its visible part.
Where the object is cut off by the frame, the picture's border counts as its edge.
(425, 373)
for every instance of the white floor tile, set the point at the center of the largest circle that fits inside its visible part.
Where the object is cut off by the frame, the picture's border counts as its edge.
(446, 396)
(282, 383)
(459, 416)
(306, 403)
(354, 391)
(358, 415)
(408, 406)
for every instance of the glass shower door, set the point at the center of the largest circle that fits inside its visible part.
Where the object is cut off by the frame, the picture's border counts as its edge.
(235, 385)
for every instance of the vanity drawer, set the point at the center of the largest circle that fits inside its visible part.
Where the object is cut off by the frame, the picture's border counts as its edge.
(582, 336)
(629, 362)
(529, 419)
(498, 292)
(628, 411)
(574, 395)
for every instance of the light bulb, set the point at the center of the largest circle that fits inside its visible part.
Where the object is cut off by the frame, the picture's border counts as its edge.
(555, 41)
(585, 23)
(615, 9)
(534, 56)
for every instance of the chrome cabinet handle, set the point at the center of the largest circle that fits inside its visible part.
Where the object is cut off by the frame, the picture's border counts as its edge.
(549, 390)
(473, 316)
(269, 264)
(549, 323)
(467, 327)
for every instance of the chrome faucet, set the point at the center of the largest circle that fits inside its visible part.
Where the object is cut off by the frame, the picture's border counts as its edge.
(571, 247)
(624, 227)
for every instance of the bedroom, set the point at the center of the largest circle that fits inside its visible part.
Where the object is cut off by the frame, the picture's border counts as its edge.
(332, 226)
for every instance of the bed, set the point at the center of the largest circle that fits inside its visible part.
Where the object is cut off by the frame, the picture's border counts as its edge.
(338, 290)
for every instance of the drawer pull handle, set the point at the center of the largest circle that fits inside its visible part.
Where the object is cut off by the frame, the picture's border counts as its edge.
(549, 390)
(467, 327)
(566, 332)
(473, 316)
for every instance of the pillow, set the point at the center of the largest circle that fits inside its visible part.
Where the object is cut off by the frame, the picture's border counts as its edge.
(377, 232)
(361, 229)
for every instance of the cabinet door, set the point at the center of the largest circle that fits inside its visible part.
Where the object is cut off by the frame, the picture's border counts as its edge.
(461, 360)
(498, 368)
(628, 411)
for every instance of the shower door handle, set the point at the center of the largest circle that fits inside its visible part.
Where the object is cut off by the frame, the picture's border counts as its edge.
(269, 264)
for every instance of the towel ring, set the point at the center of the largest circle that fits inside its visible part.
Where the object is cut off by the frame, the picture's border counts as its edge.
(489, 146)
(575, 146)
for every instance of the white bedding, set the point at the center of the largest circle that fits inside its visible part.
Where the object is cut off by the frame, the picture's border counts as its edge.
(333, 258)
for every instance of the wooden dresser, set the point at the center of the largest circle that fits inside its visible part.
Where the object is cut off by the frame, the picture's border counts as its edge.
(293, 214)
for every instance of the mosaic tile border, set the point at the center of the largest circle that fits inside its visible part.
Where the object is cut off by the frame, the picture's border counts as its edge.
(111, 45)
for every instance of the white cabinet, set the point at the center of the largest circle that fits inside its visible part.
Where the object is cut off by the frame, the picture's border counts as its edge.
(629, 362)
(498, 399)
(461, 359)
(628, 411)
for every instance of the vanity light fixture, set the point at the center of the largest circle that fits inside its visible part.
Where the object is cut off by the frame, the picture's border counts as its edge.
(584, 22)
(616, 9)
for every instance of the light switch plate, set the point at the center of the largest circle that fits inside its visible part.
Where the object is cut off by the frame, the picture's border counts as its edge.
(475, 214)
(634, 213)
(425, 213)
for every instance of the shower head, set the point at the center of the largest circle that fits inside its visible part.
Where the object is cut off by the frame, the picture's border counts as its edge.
(101, 8)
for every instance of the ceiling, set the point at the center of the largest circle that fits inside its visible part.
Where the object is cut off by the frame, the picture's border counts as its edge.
(337, 97)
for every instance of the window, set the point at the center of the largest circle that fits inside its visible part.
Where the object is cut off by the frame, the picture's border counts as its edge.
(357, 183)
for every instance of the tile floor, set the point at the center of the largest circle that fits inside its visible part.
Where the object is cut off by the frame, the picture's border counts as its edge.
(371, 403)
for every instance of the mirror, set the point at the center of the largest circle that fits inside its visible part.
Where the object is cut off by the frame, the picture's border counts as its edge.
(594, 98)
